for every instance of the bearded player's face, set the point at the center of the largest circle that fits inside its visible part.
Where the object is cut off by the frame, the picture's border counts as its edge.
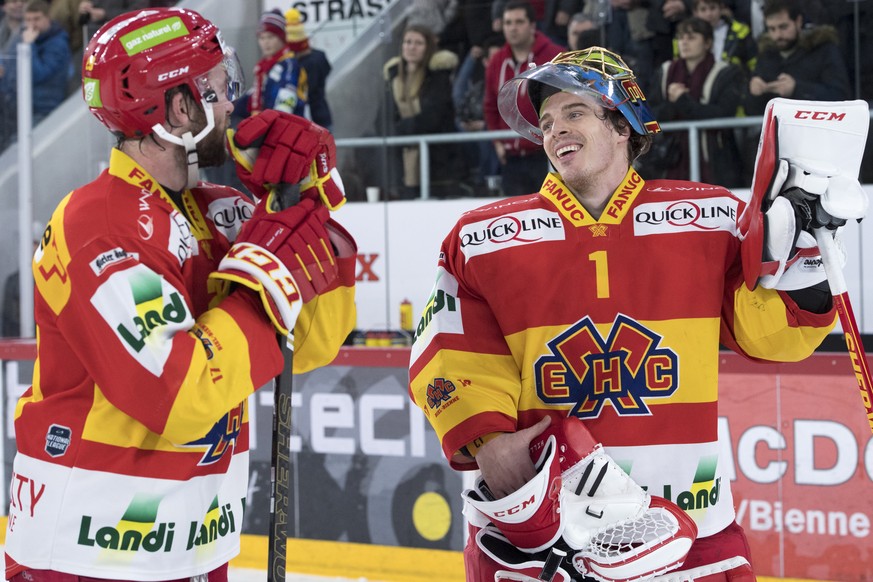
(211, 150)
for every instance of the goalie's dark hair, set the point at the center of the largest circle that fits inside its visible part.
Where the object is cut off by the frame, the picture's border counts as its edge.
(637, 144)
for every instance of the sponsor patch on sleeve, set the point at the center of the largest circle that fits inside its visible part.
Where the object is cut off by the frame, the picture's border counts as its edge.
(111, 258)
(144, 311)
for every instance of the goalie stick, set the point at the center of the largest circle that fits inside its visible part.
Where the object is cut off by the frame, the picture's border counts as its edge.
(837, 281)
(280, 459)
(843, 126)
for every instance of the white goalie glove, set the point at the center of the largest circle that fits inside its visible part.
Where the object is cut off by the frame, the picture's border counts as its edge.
(805, 180)
(806, 195)
(580, 515)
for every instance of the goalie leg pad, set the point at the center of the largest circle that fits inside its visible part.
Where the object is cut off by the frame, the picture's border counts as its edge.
(736, 569)
(516, 565)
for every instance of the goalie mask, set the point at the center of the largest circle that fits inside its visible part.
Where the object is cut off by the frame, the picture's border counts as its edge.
(594, 71)
(133, 60)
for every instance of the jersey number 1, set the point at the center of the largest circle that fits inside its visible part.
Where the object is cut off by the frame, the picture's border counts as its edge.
(601, 271)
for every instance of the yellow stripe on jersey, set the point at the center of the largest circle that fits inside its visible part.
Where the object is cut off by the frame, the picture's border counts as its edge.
(694, 370)
(229, 380)
(51, 260)
(762, 331)
(312, 350)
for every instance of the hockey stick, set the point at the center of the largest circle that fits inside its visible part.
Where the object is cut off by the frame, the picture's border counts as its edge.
(837, 281)
(280, 458)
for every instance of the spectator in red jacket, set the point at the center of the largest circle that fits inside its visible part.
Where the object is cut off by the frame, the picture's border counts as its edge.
(522, 162)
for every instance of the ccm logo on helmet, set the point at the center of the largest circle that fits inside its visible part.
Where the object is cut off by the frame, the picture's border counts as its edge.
(173, 74)
(819, 115)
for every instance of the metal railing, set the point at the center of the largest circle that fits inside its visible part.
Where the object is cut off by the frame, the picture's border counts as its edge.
(693, 128)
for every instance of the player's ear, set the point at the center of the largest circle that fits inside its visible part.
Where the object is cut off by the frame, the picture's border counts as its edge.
(178, 109)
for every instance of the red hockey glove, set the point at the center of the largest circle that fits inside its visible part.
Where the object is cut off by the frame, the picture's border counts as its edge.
(280, 148)
(285, 256)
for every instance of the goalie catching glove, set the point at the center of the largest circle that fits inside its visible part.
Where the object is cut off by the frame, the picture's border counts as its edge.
(580, 514)
(274, 148)
(287, 256)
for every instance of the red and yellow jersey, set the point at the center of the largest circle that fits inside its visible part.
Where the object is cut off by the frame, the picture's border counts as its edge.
(540, 309)
(132, 442)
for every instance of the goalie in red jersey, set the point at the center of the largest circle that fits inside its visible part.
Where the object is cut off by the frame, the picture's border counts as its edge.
(569, 350)
(158, 303)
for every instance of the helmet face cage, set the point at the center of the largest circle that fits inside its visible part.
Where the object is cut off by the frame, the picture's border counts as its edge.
(133, 60)
(593, 71)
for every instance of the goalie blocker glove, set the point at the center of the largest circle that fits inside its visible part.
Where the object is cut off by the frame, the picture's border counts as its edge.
(288, 257)
(580, 514)
(275, 147)
(806, 180)
(805, 195)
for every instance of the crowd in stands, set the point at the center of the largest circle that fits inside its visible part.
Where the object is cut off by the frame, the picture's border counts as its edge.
(694, 60)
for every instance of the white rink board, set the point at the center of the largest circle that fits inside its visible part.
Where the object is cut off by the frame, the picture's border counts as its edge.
(401, 240)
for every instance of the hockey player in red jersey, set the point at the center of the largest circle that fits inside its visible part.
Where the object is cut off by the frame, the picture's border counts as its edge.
(158, 303)
(603, 298)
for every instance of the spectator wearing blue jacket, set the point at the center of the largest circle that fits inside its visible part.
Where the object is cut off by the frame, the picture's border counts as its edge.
(51, 60)
(279, 81)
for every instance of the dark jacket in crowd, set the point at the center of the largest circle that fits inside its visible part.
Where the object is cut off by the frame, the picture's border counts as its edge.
(501, 68)
(816, 65)
(720, 158)
(52, 67)
(317, 69)
(437, 112)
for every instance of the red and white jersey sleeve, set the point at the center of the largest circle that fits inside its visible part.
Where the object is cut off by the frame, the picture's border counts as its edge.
(540, 309)
(133, 439)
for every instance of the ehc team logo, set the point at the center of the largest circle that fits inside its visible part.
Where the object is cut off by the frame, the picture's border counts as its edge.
(510, 230)
(705, 214)
(221, 438)
(625, 368)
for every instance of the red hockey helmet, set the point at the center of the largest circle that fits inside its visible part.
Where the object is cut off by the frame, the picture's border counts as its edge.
(133, 59)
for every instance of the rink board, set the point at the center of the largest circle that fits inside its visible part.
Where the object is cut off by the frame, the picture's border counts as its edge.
(374, 498)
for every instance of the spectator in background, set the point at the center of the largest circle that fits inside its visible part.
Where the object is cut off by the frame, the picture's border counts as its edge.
(419, 90)
(314, 62)
(11, 25)
(662, 18)
(82, 18)
(476, 19)
(557, 17)
(522, 162)
(10, 35)
(582, 32)
(434, 15)
(51, 62)
(796, 63)
(279, 81)
(732, 40)
(498, 8)
(468, 93)
(696, 86)
(793, 62)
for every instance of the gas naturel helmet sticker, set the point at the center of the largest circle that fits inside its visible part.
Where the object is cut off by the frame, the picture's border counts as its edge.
(154, 34)
(92, 92)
